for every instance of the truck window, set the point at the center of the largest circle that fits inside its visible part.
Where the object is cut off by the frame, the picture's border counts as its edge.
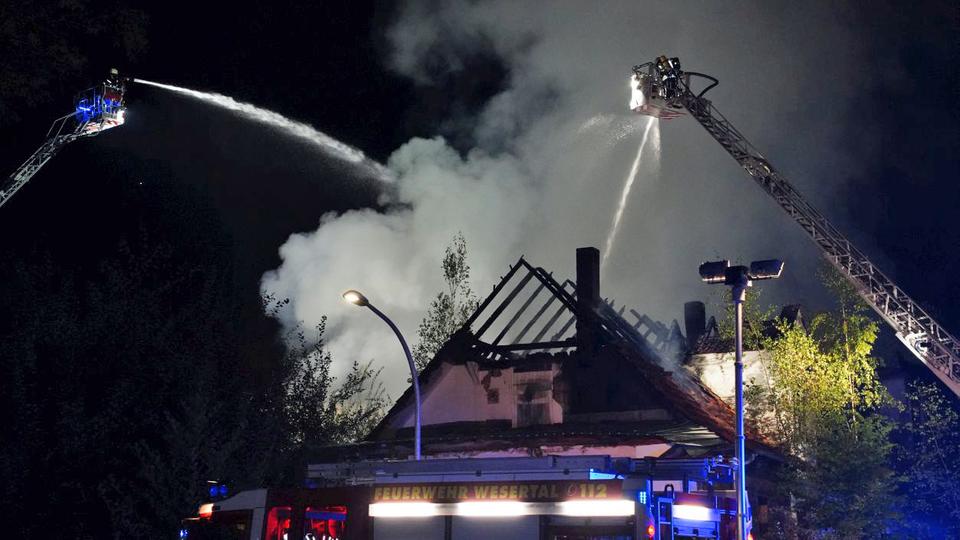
(278, 523)
(323, 523)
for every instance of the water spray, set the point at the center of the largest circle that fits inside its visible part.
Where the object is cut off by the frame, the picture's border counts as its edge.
(300, 130)
(627, 186)
(615, 128)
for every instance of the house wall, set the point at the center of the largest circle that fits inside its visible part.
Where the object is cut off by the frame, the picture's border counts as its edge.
(716, 370)
(464, 393)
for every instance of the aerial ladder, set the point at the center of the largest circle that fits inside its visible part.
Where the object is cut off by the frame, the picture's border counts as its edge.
(662, 89)
(96, 110)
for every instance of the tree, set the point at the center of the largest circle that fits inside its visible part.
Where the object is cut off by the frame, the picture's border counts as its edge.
(845, 488)
(822, 406)
(319, 411)
(930, 460)
(755, 318)
(47, 45)
(129, 385)
(451, 308)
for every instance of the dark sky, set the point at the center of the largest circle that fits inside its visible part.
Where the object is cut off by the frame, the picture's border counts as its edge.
(220, 189)
(212, 181)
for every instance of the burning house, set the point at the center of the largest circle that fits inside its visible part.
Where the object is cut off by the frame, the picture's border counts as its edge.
(549, 370)
(550, 414)
(548, 367)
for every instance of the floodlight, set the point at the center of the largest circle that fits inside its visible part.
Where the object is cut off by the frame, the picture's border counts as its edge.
(768, 269)
(714, 271)
(355, 298)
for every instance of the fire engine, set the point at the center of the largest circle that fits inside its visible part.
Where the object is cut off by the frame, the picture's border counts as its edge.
(551, 497)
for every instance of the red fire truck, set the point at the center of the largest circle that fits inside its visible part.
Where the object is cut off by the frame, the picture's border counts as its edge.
(553, 498)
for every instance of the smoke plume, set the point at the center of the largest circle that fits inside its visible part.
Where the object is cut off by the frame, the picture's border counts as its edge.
(551, 149)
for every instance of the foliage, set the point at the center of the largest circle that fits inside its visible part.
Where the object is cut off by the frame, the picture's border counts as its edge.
(822, 409)
(755, 317)
(318, 412)
(845, 488)
(451, 308)
(47, 45)
(930, 459)
(127, 386)
(819, 371)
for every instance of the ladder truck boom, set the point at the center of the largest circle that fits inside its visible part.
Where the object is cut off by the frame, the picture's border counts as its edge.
(96, 110)
(661, 89)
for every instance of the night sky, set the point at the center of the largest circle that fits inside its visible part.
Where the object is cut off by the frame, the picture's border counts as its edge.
(223, 191)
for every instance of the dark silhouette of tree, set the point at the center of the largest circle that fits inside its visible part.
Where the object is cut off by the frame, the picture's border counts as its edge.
(129, 386)
(930, 460)
(48, 45)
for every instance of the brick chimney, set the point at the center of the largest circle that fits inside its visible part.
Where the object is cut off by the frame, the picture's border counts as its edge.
(588, 299)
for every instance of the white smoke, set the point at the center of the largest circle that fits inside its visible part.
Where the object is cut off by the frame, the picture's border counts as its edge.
(293, 128)
(551, 148)
(394, 257)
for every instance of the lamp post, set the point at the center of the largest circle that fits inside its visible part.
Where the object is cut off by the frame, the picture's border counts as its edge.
(358, 299)
(739, 278)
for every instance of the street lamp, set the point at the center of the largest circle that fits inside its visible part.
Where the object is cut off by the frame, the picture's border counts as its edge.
(358, 299)
(739, 278)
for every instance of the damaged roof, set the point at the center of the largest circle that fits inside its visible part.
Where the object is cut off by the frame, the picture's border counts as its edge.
(530, 316)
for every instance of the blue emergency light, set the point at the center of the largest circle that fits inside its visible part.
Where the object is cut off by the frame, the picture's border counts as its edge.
(217, 490)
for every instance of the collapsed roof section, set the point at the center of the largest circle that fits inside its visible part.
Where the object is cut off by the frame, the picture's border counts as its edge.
(530, 311)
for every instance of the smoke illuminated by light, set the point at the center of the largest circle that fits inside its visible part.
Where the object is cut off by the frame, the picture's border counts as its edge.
(628, 185)
(296, 129)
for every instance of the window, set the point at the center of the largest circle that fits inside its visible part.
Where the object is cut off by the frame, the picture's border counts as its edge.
(278, 523)
(533, 403)
(325, 523)
(529, 414)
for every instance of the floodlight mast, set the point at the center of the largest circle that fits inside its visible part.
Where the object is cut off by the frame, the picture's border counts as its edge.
(662, 89)
(739, 279)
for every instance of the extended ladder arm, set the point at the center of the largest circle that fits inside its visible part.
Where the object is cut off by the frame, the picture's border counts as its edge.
(925, 338)
(57, 137)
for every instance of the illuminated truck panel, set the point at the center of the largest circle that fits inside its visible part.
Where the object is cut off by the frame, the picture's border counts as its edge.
(556, 510)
